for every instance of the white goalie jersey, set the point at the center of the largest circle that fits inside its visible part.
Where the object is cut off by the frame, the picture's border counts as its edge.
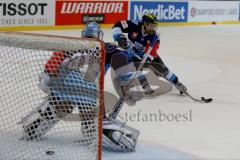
(69, 83)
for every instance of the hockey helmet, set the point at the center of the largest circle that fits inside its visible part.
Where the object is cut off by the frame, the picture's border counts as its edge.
(149, 22)
(92, 30)
(149, 18)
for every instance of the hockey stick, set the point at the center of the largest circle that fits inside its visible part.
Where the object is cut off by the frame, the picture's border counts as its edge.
(202, 100)
(118, 106)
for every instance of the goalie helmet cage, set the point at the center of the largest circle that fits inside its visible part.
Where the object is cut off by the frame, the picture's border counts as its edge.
(78, 131)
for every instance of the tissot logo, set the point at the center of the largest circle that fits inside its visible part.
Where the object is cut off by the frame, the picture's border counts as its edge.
(22, 9)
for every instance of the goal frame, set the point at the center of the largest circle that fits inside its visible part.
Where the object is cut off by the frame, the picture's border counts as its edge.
(101, 76)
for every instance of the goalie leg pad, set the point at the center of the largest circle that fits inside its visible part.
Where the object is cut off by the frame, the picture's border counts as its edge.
(119, 137)
(39, 121)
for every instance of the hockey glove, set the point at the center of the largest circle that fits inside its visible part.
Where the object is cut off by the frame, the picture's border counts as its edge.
(122, 41)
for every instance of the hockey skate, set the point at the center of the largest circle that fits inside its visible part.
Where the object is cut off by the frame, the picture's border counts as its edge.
(130, 99)
(148, 91)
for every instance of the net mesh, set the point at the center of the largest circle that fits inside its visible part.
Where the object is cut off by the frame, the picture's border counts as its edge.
(62, 121)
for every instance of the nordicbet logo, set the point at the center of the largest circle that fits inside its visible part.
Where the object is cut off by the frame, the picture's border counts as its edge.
(165, 12)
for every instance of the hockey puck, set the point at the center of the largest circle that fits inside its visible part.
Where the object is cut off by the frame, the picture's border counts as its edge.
(209, 100)
(50, 153)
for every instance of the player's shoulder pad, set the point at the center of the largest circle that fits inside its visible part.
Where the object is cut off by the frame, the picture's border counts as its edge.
(134, 22)
(128, 23)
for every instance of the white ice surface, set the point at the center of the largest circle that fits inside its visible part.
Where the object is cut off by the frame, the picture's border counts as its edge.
(207, 61)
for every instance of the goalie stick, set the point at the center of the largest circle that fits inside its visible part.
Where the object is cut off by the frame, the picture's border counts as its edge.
(118, 106)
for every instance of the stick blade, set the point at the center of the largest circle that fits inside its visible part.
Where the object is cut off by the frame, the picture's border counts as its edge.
(207, 100)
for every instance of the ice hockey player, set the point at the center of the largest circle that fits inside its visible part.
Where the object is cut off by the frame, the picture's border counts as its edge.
(140, 35)
(66, 87)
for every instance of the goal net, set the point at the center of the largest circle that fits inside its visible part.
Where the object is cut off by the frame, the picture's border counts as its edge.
(51, 97)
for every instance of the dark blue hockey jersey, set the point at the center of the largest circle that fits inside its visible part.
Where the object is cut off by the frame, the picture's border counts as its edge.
(139, 41)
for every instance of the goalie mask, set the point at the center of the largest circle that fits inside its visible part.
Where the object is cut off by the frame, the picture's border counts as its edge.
(92, 30)
(149, 23)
